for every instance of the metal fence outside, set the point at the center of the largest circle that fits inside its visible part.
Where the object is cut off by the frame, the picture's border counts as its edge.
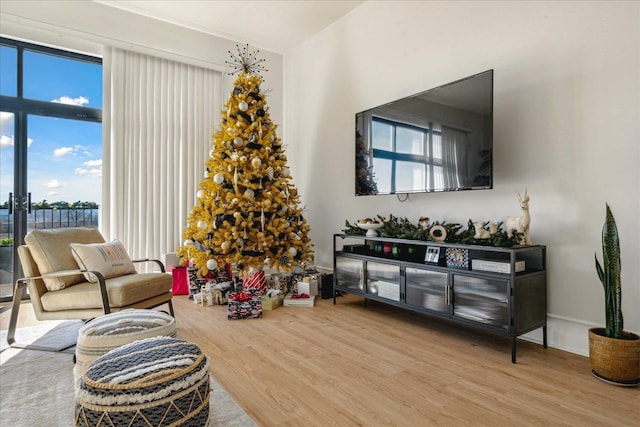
(50, 218)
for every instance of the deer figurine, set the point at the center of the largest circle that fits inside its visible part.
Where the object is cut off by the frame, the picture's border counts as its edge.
(521, 223)
(483, 233)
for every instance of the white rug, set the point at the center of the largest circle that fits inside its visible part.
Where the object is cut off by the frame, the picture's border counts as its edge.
(36, 387)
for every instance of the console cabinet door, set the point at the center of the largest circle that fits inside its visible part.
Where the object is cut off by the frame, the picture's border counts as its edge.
(482, 300)
(383, 280)
(349, 274)
(426, 289)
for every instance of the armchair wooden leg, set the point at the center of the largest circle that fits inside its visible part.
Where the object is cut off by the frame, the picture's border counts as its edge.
(13, 323)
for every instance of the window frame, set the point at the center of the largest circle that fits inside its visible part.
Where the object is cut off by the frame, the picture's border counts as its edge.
(18, 104)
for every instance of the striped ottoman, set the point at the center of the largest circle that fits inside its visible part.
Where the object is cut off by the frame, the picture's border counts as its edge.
(159, 381)
(107, 332)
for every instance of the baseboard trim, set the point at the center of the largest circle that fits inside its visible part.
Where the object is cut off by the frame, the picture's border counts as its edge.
(564, 334)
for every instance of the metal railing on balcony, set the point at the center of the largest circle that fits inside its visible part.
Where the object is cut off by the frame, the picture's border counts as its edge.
(50, 218)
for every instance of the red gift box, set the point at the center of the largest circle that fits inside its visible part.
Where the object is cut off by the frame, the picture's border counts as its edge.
(244, 304)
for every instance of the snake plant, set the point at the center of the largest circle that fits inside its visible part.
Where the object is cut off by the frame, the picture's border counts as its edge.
(609, 274)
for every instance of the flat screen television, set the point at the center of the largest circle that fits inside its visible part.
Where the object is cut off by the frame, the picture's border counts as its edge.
(437, 140)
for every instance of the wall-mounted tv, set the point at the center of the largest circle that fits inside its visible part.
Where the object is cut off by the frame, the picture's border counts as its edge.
(437, 140)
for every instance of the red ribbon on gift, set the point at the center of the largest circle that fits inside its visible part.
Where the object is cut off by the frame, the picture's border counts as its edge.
(240, 296)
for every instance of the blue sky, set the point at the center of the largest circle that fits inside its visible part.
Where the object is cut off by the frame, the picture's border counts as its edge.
(64, 156)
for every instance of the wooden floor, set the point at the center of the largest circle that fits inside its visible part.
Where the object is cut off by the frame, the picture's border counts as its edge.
(351, 365)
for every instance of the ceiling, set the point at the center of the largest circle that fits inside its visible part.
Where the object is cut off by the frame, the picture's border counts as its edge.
(271, 25)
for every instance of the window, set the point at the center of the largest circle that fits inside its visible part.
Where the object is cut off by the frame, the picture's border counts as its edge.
(406, 158)
(50, 143)
(54, 101)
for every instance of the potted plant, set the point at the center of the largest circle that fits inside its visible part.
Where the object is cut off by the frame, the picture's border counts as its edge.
(613, 352)
(6, 254)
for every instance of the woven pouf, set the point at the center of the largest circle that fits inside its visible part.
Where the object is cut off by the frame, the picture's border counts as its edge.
(107, 332)
(159, 381)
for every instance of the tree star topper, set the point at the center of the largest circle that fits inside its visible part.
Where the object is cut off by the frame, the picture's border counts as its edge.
(245, 61)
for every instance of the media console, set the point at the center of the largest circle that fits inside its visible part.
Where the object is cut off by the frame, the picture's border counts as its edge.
(501, 290)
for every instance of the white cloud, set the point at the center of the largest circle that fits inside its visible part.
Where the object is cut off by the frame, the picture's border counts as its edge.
(62, 151)
(52, 193)
(54, 183)
(94, 172)
(6, 118)
(6, 141)
(92, 163)
(81, 100)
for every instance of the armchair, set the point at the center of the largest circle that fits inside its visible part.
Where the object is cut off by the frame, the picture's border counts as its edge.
(60, 290)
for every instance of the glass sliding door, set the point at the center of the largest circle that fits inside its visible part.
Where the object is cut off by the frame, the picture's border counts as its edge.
(7, 159)
(51, 158)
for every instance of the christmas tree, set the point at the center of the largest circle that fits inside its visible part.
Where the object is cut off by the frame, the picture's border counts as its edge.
(248, 210)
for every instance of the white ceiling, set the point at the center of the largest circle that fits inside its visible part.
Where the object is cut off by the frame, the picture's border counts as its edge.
(272, 25)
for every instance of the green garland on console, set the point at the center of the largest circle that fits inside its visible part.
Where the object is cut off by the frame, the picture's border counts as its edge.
(402, 228)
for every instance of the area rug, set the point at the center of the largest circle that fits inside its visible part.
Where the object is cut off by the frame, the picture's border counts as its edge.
(36, 387)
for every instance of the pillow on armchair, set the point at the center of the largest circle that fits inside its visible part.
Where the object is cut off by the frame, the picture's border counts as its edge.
(110, 259)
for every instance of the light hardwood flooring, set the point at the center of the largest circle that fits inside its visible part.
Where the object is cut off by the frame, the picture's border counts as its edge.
(375, 365)
(351, 365)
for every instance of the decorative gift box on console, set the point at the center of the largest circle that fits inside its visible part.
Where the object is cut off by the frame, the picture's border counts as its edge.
(244, 304)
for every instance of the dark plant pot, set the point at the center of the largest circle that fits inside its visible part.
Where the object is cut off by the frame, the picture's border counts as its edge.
(615, 360)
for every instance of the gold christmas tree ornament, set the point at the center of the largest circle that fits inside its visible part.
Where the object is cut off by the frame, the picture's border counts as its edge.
(248, 209)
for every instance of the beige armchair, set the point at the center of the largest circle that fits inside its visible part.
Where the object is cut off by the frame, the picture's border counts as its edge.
(60, 290)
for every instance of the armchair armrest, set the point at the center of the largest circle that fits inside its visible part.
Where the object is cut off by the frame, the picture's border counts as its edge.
(22, 282)
(157, 261)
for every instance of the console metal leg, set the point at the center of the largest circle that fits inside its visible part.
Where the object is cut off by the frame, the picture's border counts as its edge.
(513, 349)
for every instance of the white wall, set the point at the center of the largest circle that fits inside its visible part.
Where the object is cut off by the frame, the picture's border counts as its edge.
(566, 127)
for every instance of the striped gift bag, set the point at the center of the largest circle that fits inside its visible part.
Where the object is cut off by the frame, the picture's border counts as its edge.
(255, 280)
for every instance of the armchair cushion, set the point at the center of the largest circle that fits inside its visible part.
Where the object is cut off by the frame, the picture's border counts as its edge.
(51, 251)
(123, 291)
(110, 259)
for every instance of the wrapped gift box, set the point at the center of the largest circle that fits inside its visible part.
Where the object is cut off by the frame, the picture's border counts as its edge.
(308, 285)
(170, 261)
(213, 293)
(244, 304)
(271, 303)
(291, 301)
(196, 282)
